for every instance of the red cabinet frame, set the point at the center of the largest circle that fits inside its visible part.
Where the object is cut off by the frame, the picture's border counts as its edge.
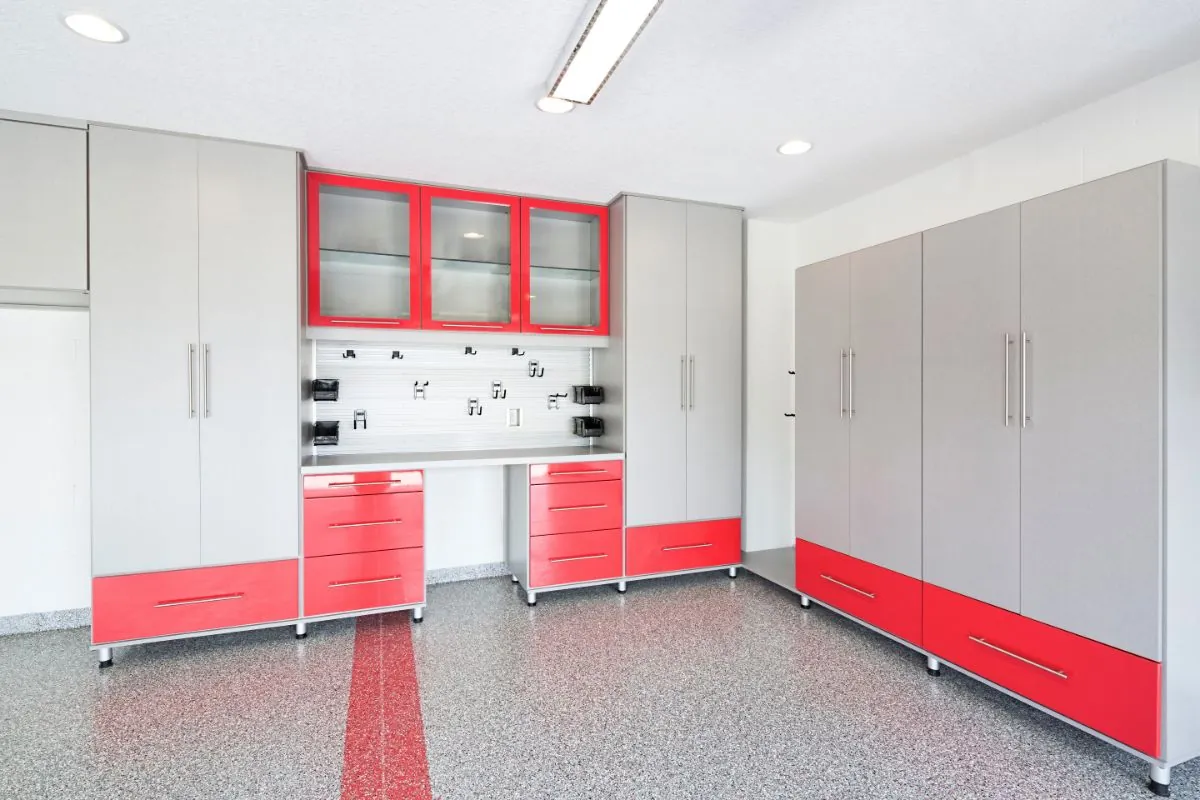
(516, 285)
(601, 212)
(315, 181)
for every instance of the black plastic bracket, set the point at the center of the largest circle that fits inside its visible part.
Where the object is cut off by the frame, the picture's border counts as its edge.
(1159, 789)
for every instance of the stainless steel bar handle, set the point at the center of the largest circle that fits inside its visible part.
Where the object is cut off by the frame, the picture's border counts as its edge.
(1024, 379)
(199, 600)
(367, 524)
(568, 330)
(985, 643)
(578, 558)
(850, 402)
(207, 385)
(855, 589)
(579, 472)
(191, 368)
(579, 508)
(683, 383)
(367, 322)
(687, 547)
(692, 382)
(467, 325)
(360, 583)
(368, 483)
(842, 386)
(1007, 352)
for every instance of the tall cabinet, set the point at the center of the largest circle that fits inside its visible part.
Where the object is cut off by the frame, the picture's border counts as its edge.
(675, 372)
(195, 372)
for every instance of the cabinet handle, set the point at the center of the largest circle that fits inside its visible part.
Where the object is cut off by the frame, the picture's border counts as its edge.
(1007, 351)
(842, 386)
(339, 584)
(367, 483)
(198, 600)
(191, 368)
(578, 558)
(851, 382)
(576, 329)
(692, 382)
(206, 385)
(836, 582)
(466, 325)
(683, 383)
(361, 322)
(687, 547)
(579, 472)
(367, 524)
(985, 643)
(1025, 416)
(579, 508)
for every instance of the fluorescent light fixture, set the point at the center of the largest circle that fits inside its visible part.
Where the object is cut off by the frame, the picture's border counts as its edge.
(552, 105)
(608, 28)
(95, 28)
(794, 147)
(472, 235)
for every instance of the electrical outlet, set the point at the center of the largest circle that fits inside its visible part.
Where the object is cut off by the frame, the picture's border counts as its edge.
(514, 418)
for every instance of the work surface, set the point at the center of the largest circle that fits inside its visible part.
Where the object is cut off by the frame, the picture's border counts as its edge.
(323, 464)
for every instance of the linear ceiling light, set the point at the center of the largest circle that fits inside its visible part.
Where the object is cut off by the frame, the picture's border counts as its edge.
(608, 28)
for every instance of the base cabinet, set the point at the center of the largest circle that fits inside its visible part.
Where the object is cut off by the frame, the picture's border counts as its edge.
(361, 581)
(685, 546)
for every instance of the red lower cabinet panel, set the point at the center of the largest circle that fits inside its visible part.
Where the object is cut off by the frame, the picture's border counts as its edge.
(574, 557)
(686, 545)
(126, 607)
(576, 471)
(574, 507)
(357, 483)
(1108, 690)
(358, 581)
(880, 597)
(356, 524)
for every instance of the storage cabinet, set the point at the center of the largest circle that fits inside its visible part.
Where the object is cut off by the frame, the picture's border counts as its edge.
(564, 268)
(43, 207)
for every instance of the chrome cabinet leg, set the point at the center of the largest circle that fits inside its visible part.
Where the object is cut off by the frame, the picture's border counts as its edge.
(418, 614)
(621, 587)
(105, 654)
(531, 598)
(805, 602)
(933, 666)
(733, 572)
(301, 630)
(1160, 780)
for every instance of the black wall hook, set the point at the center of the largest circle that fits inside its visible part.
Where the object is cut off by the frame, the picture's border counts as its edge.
(552, 400)
(535, 370)
(470, 351)
(791, 372)
(419, 390)
(349, 354)
(498, 392)
(397, 354)
(516, 351)
(788, 415)
(473, 407)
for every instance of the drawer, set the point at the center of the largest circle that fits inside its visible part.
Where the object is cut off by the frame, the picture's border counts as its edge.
(576, 472)
(1108, 690)
(574, 557)
(153, 604)
(878, 596)
(574, 507)
(359, 483)
(357, 524)
(358, 581)
(687, 545)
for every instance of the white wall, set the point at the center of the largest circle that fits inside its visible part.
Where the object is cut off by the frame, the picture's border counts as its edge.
(1151, 121)
(45, 514)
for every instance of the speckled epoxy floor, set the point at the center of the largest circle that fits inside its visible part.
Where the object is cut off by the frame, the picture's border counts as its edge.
(682, 688)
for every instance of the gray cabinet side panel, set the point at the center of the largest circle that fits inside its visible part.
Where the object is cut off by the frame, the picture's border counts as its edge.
(249, 333)
(516, 536)
(885, 430)
(1181, 646)
(822, 332)
(714, 346)
(608, 363)
(43, 206)
(1091, 459)
(972, 453)
(145, 446)
(655, 352)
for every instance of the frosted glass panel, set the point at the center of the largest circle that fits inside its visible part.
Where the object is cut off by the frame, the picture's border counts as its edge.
(564, 268)
(365, 266)
(471, 258)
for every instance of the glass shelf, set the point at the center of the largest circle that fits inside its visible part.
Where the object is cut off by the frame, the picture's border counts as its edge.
(584, 272)
(471, 260)
(369, 285)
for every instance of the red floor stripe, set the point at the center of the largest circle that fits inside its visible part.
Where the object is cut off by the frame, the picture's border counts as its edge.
(385, 737)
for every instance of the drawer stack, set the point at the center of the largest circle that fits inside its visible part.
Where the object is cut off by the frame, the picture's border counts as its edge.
(575, 519)
(363, 542)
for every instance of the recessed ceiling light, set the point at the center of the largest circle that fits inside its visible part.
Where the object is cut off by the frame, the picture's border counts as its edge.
(794, 147)
(604, 34)
(553, 105)
(472, 235)
(95, 28)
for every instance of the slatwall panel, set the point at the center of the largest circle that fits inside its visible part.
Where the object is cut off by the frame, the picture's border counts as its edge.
(398, 423)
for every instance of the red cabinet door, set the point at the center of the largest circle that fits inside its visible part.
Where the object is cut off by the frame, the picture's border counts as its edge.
(359, 524)
(361, 483)
(359, 581)
(564, 268)
(364, 252)
(687, 545)
(471, 260)
(564, 558)
(576, 472)
(573, 507)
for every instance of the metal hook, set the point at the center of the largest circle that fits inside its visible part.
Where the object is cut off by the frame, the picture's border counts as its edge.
(498, 393)
(419, 390)
(535, 370)
(397, 354)
(516, 351)
(349, 354)
(552, 400)
(470, 351)
(473, 407)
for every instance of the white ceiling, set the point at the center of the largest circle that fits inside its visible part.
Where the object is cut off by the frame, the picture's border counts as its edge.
(443, 90)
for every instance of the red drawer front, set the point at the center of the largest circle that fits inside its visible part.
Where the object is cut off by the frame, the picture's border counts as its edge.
(888, 600)
(335, 525)
(576, 472)
(153, 604)
(686, 545)
(357, 581)
(1108, 690)
(574, 557)
(574, 507)
(358, 483)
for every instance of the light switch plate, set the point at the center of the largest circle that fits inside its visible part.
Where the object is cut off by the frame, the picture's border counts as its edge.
(514, 418)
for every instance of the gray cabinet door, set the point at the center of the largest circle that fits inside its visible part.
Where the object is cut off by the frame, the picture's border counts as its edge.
(655, 361)
(43, 206)
(1091, 460)
(822, 331)
(144, 335)
(972, 434)
(249, 337)
(885, 405)
(714, 348)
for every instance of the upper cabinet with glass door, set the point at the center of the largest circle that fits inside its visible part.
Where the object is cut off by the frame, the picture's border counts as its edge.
(472, 246)
(364, 252)
(565, 269)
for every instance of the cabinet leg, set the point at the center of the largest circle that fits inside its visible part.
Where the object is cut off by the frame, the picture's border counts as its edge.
(1160, 780)
(805, 602)
(933, 666)
(531, 598)
(418, 614)
(301, 630)
(733, 572)
(621, 587)
(105, 654)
